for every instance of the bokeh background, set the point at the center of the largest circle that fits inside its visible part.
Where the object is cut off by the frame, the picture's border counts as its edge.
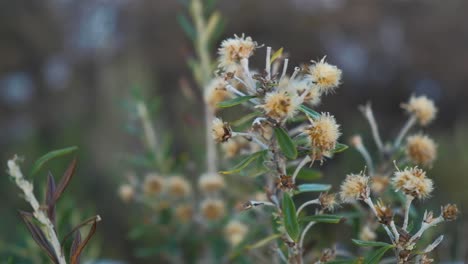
(67, 67)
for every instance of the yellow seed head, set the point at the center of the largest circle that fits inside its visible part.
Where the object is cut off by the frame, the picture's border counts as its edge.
(178, 187)
(421, 149)
(153, 184)
(184, 212)
(323, 133)
(126, 192)
(367, 234)
(211, 182)
(328, 201)
(216, 92)
(379, 183)
(298, 88)
(413, 181)
(354, 187)
(422, 108)
(327, 77)
(279, 105)
(235, 231)
(450, 212)
(221, 131)
(232, 50)
(213, 209)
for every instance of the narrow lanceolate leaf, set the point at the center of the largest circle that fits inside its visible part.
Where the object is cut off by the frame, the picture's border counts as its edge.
(376, 256)
(290, 220)
(340, 147)
(49, 156)
(308, 111)
(186, 26)
(39, 236)
(49, 200)
(244, 119)
(285, 142)
(245, 162)
(276, 55)
(264, 241)
(213, 21)
(307, 174)
(75, 258)
(324, 218)
(65, 180)
(364, 243)
(313, 187)
(235, 101)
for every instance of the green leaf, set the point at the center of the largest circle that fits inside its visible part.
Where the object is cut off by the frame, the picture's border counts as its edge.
(375, 256)
(290, 220)
(339, 148)
(276, 55)
(49, 156)
(285, 142)
(343, 261)
(323, 218)
(244, 119)
(187, 26)
(313, 187)
(246, 161)
(263, 242)
(364, 243)
(308, 111)
(235, 101)
(307, 174)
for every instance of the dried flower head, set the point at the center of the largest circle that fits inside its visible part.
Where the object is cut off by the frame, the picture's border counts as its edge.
(211, 182)
(184, 212)
(421, 149)
(450, 212)
(232, 50)
(379, 183)
(328, 255)
(425, 259)
(126, 192)
(422, 108)
(216, 92)
(153, 184)
(178, 187)
(384, 213)
(285, 183)
(328, 201)
(235, 232)
(367, 234)
(280, 105)
(413, 181)
(323, 133)
(212, 209)
(355, 187)
(299, 87)
(327, 77)
(221, 131)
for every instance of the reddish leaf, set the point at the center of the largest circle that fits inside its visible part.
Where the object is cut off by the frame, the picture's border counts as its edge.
(74, 259)
(49, 199)
(39, 236)
(76, 242)
(67, 176)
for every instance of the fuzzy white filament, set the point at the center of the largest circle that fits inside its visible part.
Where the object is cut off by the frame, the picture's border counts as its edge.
(27, 188)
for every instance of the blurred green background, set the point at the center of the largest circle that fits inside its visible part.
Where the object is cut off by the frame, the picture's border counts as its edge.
(67, 68)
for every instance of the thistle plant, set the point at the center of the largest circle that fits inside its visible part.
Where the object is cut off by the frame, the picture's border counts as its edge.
(288, 133)
(42, 222)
